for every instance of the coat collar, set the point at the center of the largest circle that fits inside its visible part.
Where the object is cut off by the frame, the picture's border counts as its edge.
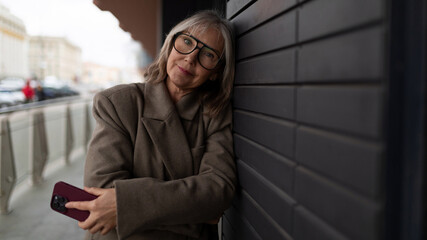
(158, 104)
(162, 121)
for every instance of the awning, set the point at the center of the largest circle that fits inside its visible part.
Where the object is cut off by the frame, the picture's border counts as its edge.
(141, 18)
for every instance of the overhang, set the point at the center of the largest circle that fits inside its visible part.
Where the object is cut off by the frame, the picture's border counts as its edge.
(138, 17)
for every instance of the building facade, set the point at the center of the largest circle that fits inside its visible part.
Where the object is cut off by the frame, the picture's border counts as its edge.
(54, 56)
(94, 73)
(13, 45)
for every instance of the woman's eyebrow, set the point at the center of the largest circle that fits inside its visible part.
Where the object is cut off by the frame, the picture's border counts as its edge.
(216, 51)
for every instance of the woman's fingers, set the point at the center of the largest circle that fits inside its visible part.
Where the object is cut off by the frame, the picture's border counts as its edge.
(89, 223)
(91, 226)
(95, 191)
(103, 210)
(96, 228)
(105, 230)
(85, 205)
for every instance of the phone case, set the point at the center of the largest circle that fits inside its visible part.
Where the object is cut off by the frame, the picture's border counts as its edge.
(63, 193)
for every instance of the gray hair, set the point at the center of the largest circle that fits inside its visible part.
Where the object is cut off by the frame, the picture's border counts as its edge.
(215, 94)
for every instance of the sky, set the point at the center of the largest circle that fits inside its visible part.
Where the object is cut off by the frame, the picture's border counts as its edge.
(96, 32)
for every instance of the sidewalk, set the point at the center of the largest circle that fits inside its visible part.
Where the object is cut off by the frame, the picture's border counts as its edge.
(31, 217)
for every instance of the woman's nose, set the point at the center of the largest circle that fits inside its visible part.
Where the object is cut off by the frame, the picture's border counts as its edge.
(192, 57)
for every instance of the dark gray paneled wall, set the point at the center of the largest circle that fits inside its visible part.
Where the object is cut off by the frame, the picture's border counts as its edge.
(308, 118)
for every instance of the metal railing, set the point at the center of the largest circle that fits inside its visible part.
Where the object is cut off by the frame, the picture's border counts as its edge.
(35, 135)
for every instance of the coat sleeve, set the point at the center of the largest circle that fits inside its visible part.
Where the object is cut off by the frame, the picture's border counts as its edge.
(110, 152)
(191, 200)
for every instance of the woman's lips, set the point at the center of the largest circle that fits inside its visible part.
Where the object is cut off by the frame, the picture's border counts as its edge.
(185, 71)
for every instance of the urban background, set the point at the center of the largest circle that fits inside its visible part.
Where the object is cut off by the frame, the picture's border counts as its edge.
(53, 66)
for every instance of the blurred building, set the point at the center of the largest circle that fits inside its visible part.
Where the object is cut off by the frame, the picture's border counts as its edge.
(106, 76)
(13, 45)
(99, 74)
(54, 56)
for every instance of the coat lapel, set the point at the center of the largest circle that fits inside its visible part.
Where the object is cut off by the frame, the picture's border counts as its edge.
(163, 124)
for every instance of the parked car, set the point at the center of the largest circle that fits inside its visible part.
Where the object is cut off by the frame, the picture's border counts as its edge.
(54, 88)
(51, 92)
(12, 83)
(18, 97)
(68, 91)
(7, 99)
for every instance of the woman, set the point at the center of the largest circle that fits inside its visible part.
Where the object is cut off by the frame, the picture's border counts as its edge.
(161, 155)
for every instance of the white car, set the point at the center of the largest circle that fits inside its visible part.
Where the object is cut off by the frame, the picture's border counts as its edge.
(6, 99)
(13, 84)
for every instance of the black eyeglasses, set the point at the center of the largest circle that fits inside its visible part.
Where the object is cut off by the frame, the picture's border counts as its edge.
(186, 44)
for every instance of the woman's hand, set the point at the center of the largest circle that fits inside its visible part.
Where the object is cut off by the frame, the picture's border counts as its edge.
(103, 210)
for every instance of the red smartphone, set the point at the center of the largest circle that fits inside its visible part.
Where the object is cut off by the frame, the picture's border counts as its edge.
(63, 193)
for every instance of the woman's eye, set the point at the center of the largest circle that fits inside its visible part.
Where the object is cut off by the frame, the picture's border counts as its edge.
(209, 55)
(188, 41)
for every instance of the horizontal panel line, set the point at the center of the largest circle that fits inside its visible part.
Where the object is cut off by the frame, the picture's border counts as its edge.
(226, 219)
(271, 186)
(261, 87)
(263, 146)
(272, 222)
(274, 50)
(350, 83)
(344, 133)
(266, 117)
(239, 109)
(297, 123)
(265, 149)
(241, 10)
(360, 27)
(255, 58)
(342, 188)
(337, 182)
(245, 221)
(322, 221)
(266, 21)
(376, 143)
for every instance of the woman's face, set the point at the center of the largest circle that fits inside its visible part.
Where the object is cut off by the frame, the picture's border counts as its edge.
(184, 70)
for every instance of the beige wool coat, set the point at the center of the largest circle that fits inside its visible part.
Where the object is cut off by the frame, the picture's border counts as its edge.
(171, 165)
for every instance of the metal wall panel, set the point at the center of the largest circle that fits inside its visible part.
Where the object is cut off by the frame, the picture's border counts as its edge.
(235, 6)
(274, 167)
(278, 67)
(352, 162)
(308, 120)
(276, 203)
(318, 18)
(355, 110)
(356, 216)
(278, 33)
(275, 101)
(263, 224)
(309, 226)
(258, 13)
(238, 227)
(276, 135)
(353, 57)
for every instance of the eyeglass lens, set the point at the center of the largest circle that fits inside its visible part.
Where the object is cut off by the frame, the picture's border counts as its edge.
(186, 44)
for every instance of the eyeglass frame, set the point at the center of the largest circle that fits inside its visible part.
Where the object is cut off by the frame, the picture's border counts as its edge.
(220, 57)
